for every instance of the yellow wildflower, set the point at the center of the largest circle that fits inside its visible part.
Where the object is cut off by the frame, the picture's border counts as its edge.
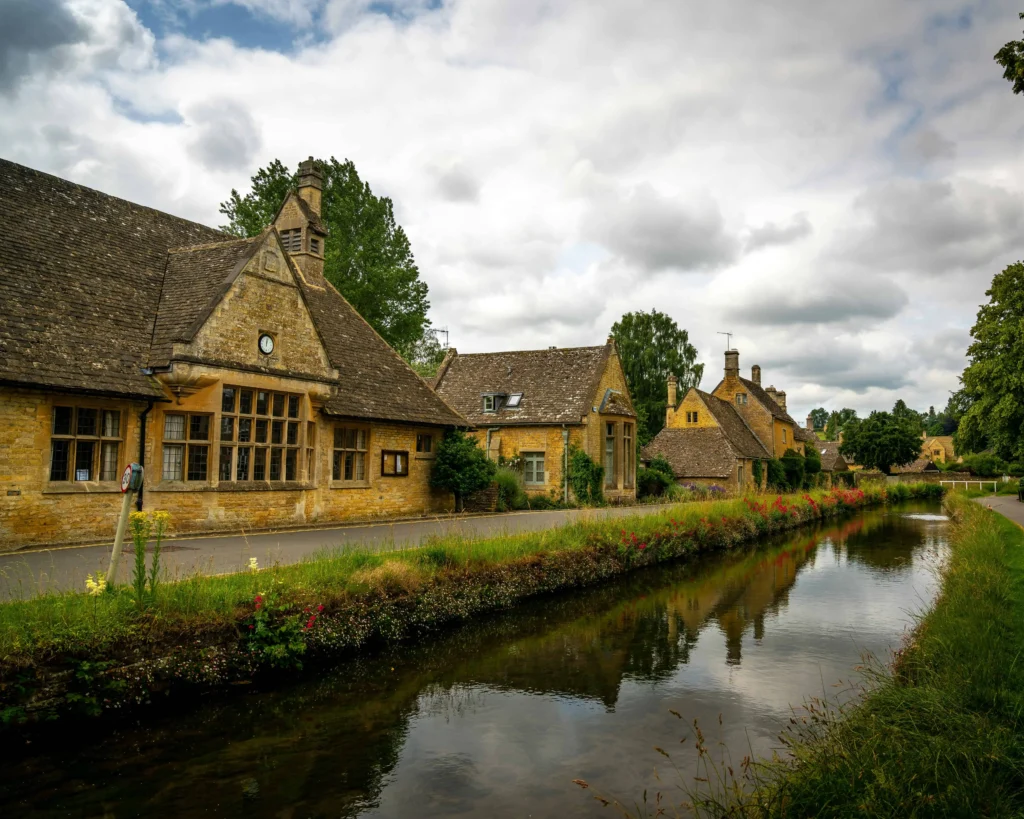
(96, 585)
(254, 565)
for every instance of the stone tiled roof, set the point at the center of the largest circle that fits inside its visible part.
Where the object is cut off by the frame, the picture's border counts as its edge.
(194, 280)
(80, 279)
(805, 435)
(766, 400)
(708, 452)
(920, 465)
(831, 460)
(559, 386)
(92, 288)
(615, 403)
(739, 435)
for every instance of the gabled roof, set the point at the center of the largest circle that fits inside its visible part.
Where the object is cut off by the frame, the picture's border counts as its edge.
(80, 280)
(805, 435)
(831, 460)
(920, 465)
(92, 288)
(559, 386)
(765, 399)
(708, 452)
(311, 217)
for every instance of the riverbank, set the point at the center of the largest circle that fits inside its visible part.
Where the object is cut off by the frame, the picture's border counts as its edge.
(77, 654)
(941, 734)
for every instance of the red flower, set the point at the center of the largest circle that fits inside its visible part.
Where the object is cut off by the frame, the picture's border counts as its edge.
(642, 546)
(320, 607)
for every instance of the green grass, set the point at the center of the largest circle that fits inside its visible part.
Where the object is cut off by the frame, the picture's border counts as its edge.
(938, 737)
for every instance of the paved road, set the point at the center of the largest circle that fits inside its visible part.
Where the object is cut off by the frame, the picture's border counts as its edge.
(1006, 505)
(25, 574)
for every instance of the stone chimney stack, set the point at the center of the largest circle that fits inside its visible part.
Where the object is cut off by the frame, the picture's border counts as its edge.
(732, 363)
(772, 393)
(311, 184)
(755, 374)
(780, 399)
(673, 388)
(810, 423)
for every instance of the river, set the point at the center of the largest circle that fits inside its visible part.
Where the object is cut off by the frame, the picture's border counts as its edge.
(497, 718)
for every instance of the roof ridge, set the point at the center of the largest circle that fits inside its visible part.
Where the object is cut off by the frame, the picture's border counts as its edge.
(80, 186)
(207, 245)
(543, 350)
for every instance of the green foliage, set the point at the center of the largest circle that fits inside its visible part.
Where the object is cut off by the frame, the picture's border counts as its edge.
(812, 461)
(142, 525)
(1011, 58)
(654, 480)
(993, 382)
(881, 441)
(511, 493)
(777, 480)
(651, 348)
(819, 417)
(984, 465)
(367, 255)
(757, 470)
(794, 465)
(461, 466)
(273, 633)
(836, 421)
(586, 478)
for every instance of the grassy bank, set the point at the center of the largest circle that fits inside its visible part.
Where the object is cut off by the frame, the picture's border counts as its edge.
(79, 653)
(939, 736)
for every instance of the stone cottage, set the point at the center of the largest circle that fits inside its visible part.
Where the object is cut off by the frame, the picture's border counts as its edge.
(537, 404)
(715, 438)
(251, 391)
(938, 448)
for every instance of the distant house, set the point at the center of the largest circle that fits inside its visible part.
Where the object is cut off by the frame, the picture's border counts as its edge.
(938, 448)
(920, 465)
(831, 459)
(706, 441)
(537, 404)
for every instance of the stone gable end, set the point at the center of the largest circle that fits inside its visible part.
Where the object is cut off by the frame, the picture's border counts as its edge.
(264, 298)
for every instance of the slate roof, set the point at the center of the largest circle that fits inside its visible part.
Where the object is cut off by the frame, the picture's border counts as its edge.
(559, 386)
(80, 279)
(805, 435)
(94, 288)
(831, 460)
(707, 452)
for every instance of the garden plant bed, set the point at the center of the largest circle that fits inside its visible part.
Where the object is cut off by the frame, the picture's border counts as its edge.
(83, 655)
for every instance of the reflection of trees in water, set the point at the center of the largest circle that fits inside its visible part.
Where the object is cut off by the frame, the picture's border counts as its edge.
(328, 745)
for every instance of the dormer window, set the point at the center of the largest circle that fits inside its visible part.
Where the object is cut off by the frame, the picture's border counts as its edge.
(314, 245)
(490, 403)
(514, 399)
(291, 240)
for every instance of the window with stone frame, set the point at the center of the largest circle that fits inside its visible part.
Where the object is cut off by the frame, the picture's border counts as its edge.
(610, 478)
(784, 437)
(261, 435)
(691, 417)
(741, 398)
(85, 444)
(186, 446)
(424, 443)
(351, 453)
(533, 468)
(394, 463)
(628, 455)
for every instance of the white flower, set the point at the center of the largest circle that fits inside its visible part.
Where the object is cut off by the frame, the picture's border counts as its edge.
(254, 566)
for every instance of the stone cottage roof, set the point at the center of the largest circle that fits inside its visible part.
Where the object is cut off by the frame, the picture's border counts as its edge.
(920, 465)
(805, 435)
(769, 403)
(94, 288)
(559, 386)
(831, 460)
(707, 452)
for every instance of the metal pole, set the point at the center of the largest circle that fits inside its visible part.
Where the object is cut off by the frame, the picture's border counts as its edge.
(122, 524)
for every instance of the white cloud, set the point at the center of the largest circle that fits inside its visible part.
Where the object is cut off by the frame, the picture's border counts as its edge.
(556, 164)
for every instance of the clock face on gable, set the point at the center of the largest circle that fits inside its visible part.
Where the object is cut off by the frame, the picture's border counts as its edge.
(266, 344)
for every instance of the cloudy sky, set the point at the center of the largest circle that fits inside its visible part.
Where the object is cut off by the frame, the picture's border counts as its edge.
(834, 183)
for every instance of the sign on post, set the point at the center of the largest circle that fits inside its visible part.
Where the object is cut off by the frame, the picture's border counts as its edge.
(131, 482)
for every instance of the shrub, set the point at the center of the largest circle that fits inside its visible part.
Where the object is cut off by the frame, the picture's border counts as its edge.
(585, 477)
(777, 476)
(758, 472)
(983, 465)
(542, 502)
(1015, 470)
(794, 465)
(461, 466)
(812, 462)
(651, 483)
(511, 493)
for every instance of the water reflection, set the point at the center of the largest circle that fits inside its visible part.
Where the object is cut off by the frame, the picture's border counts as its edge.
(497, 718)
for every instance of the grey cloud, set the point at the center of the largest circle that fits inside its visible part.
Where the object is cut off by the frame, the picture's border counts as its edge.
(226, 136)
(840, 364)
(821, 301)
(934, 227)
(928, 145)
(457, 184)
(33, 35)
(658, 233)
(771, 233)
(946, 349)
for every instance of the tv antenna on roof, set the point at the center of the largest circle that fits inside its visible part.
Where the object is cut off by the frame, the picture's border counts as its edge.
(728, 340)
(441, 330)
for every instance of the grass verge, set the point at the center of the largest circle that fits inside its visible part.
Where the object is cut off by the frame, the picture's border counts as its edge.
(939, 736)
(85, 654)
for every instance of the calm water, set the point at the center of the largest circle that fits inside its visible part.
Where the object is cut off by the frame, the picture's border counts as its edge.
(497, 718)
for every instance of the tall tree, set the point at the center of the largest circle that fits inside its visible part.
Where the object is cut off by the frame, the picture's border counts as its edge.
(905, 414)
(367, 255)
(819, 417)
(652, 347)
(993, 383)
(881, 441)
(836, 421)
(1011, 58)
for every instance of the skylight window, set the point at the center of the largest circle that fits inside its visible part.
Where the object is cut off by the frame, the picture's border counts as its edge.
(514, 399)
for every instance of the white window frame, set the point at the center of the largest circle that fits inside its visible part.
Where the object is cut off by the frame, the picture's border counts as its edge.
(530, 463)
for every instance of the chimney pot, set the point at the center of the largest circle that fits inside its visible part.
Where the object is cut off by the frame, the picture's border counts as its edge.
(780, 399)
(673, 399)
(732, 363)
(755, 374)
(810, 423)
